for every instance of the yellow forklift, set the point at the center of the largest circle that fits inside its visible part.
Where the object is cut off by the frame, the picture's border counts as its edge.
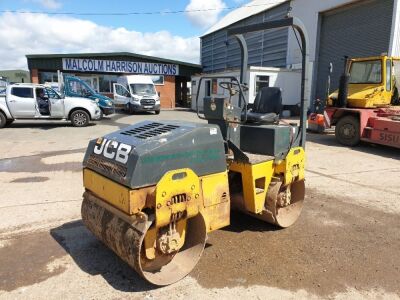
(366, 105)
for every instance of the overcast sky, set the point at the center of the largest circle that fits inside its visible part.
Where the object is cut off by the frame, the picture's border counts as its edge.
(174, 36)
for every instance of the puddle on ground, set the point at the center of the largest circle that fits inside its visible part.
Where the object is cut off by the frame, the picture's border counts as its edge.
(25, 260)
(65, 158)
(360, 252)
(30, 179)
(56, 161)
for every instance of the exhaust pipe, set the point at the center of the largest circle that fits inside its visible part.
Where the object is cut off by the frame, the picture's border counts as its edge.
(344, 85)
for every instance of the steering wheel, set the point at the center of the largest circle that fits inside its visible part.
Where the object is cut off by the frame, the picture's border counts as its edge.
(232, 86)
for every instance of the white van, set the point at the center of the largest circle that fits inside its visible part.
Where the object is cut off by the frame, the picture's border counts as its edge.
(136, 93)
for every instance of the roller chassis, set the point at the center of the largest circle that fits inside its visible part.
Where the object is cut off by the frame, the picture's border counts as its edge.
(154, 190)
(157, 228)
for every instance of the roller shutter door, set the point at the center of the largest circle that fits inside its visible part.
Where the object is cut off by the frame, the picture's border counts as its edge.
(357, 30)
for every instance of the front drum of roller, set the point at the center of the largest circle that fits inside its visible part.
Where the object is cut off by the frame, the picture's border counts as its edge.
(128, 243)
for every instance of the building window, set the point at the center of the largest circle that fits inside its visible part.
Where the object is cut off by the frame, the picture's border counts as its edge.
(106, 83)
(215, 86)
(158, 79)
(192, 87)
(261, 82)
(48, 77)
(207, 91)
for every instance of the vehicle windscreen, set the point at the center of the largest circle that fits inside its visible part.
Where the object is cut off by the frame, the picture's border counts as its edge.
(89, 88)
(80, 87)
(143, 89)
(366, 72)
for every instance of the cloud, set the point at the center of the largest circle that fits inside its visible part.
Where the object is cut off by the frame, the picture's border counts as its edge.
(49, 4)
(208, 17)
(40, 34)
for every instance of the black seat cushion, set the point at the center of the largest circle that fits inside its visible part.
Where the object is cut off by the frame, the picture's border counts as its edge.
(253, 117)
(267, 106)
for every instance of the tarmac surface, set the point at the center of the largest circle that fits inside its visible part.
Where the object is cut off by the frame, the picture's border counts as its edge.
(345, 244)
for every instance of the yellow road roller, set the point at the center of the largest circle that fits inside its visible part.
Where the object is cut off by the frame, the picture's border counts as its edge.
(154, 190)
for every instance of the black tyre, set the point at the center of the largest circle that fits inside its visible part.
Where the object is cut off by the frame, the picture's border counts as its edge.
(157, 112)
(347, 131)
(396, 97)
(3, 120)
(80, 118)
(101, 114)
(130, 109)
(9, 122)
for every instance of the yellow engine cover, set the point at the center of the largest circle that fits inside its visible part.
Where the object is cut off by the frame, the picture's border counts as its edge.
(216, 201)
(127, 200)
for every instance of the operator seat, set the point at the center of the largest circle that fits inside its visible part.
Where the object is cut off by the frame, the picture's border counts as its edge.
(267, 106)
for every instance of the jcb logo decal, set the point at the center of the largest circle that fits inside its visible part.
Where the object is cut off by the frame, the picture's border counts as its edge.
(113, 150)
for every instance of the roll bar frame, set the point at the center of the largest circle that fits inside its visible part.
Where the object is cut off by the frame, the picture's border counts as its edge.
(298, 26)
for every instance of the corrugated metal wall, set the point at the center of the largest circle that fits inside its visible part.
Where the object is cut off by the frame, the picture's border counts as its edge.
(360, 30)
(268, 49)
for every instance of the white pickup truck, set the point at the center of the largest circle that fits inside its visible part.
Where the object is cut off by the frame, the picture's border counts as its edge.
(38, 102)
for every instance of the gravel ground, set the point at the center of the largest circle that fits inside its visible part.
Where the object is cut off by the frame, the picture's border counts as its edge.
(345, 245)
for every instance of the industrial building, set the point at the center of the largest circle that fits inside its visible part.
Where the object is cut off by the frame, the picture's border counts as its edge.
(335, 28)
(15, 76)
(101, 70)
